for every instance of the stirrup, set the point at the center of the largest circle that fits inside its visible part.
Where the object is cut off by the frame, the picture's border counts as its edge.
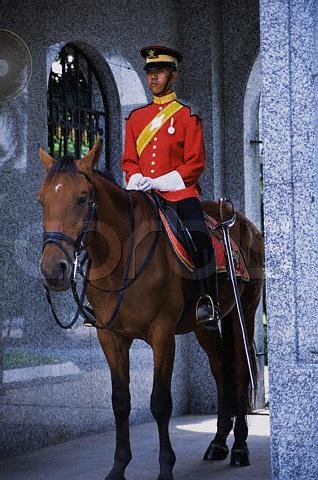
(87, 321)
(206, 313)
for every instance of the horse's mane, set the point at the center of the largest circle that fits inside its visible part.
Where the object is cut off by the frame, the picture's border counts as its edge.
(67, 164)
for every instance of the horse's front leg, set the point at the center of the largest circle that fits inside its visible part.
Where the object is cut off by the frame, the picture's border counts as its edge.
(116, 349)
(163, 346)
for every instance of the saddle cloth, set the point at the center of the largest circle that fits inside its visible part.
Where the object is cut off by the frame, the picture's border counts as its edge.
(178, 243)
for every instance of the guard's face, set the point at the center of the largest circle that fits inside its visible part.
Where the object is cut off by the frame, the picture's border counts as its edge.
(160, 80)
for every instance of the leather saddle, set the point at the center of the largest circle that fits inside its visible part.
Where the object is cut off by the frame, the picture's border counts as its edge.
(181, 243)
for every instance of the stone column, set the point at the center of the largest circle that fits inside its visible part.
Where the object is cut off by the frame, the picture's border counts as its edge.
(290, 206)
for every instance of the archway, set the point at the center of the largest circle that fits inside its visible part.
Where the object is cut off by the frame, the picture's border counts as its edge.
(108, 91)
(253, 151)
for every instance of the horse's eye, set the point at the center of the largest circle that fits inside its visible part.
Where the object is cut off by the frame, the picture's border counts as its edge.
(82, 199)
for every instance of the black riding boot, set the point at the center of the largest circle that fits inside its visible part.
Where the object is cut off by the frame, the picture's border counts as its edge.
(207, 308)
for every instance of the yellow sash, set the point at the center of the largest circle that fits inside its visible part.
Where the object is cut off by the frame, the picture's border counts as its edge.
(156, 123)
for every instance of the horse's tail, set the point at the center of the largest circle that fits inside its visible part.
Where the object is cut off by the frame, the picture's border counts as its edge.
(252, 394)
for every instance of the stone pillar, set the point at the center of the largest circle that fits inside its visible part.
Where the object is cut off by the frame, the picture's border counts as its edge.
(290, 206)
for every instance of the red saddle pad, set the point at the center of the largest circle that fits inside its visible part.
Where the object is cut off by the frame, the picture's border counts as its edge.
(219, 248)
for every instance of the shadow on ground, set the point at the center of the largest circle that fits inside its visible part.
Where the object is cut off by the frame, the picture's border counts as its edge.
(90, 458)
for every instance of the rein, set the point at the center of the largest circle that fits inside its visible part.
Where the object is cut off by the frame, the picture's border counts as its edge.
(79, 246)
(127, 282)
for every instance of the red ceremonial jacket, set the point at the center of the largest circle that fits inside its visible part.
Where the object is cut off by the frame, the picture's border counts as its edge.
(182, 151)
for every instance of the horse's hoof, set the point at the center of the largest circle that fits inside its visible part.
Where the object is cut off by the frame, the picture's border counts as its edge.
(112, 476)
(240, 457)
(216, 452)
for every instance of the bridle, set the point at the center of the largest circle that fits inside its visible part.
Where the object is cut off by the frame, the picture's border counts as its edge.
(77, 265)
(78, 245)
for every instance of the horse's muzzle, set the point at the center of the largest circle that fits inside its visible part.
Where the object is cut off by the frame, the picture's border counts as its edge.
(56, 274)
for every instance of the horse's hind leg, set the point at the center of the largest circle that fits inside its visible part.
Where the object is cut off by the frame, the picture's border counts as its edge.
(239, 452)
(163, 346)
(212, 345)
(116, 349)
(250, 300)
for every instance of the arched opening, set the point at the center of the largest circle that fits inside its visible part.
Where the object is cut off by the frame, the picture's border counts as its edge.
(253, 200)
(253, 146)
(77, 107)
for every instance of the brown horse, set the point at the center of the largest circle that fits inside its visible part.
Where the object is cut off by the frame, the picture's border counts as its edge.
(155, 305)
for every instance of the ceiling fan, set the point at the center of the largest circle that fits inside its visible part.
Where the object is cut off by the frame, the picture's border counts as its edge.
(15, 65)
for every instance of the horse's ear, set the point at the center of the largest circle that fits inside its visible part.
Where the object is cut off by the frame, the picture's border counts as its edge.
(87, 163)
(47, 160)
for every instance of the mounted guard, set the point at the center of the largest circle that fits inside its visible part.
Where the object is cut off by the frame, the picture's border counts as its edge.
(164, 152)
(84, 211)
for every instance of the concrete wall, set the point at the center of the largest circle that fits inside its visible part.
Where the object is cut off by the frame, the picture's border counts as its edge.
(290, 204)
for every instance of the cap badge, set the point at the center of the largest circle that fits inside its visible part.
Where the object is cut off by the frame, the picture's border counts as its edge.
(151, 54)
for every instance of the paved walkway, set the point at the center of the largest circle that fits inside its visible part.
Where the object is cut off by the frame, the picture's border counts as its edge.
(90, 458)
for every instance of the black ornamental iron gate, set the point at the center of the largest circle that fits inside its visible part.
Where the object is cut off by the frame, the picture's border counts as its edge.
(77, 115)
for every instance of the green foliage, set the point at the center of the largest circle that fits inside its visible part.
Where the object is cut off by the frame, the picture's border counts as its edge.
(26, 359)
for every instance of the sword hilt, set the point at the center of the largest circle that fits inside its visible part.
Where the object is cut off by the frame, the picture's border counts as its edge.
(223, 203)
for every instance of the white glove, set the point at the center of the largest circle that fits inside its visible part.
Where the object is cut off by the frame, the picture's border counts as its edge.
(145, 184)
(134, 181)
(170, 182)
(139, 182)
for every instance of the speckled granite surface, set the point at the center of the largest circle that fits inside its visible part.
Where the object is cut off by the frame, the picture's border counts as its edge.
(290, 203)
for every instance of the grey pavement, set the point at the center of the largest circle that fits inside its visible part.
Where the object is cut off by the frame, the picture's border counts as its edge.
(90, 457)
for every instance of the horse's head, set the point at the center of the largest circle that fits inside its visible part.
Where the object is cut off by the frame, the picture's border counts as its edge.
(66, 196)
